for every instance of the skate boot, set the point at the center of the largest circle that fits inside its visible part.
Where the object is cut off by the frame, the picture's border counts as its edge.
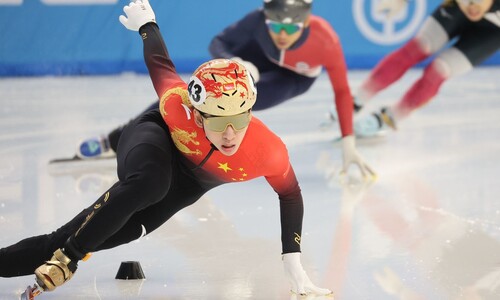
(333, 116)
(55, 272)
(96, 147)
(356, 106)
(375, 124)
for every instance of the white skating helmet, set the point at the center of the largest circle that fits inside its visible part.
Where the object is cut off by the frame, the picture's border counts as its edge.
(287, 11)
(222, 87)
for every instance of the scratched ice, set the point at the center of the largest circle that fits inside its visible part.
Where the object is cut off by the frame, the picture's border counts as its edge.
(429, 228)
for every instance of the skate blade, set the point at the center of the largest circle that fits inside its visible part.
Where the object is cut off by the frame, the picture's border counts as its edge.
(68, 166)
(76, 159)
(31, 292)
(378, 135)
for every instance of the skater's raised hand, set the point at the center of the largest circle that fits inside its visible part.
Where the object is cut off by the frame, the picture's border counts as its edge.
(138, 13)
(300, 282)
(351, 156)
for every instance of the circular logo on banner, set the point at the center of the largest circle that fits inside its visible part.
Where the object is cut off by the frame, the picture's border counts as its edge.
(382, 30)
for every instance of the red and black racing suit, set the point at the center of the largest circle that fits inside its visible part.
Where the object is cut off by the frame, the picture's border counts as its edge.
(165, 163)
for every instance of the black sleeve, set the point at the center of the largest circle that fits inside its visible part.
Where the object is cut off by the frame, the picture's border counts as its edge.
(291, 215)
(160, 66)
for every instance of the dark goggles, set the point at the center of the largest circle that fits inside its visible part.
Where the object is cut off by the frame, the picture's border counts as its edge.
(220, 123)
(289, 28)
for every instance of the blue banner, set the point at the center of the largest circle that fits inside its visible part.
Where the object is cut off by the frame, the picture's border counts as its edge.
(84, 37)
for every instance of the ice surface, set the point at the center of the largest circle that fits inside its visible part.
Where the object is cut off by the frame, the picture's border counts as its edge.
(429, 228)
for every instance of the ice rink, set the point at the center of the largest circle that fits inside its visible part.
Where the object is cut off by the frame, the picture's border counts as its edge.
(428, 228)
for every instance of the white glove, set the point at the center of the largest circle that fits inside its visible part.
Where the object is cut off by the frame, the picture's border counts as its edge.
(138, 13)
(250, 67)
(391, 7)
(301, 284)
(351, 156)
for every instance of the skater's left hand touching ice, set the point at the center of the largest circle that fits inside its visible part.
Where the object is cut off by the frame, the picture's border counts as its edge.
(351, 156)
(301, 284)
(138, 13)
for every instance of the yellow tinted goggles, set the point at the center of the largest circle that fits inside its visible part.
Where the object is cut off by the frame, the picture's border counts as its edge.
(220, 123)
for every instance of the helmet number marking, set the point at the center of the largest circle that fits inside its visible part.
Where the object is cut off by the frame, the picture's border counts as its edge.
(196, 91)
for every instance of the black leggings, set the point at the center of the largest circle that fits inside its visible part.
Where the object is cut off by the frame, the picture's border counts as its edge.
(25, 256)
(153, 185)
(114, 136)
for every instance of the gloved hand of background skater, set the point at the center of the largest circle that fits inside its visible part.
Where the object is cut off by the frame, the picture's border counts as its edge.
(351, 156)
(301, 284)
(250, 67)
(138, 13)
(391, 7)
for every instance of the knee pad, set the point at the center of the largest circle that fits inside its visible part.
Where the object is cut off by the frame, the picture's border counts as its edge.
(431, 37)
(452, 62)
